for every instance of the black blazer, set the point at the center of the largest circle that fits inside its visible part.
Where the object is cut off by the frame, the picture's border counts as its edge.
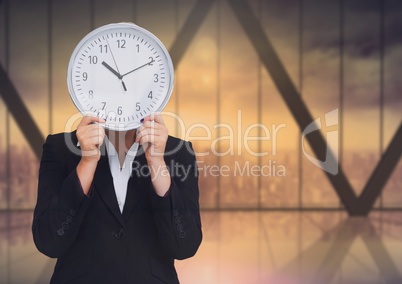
(95, 243)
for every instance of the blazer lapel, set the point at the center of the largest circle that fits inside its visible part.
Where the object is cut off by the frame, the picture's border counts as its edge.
(103, 182)
(137, 184)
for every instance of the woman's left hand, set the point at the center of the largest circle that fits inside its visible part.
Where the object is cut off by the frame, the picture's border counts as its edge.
(152, 135)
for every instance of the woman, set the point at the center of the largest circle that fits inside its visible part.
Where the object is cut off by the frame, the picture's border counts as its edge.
(122, 210)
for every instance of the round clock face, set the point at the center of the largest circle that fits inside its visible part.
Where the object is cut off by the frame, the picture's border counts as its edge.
(122, 73)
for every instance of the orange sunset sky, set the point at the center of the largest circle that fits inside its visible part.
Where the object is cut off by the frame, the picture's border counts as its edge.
(221, 66)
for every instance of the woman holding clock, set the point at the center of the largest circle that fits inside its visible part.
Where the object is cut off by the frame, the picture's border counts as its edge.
(120, 203)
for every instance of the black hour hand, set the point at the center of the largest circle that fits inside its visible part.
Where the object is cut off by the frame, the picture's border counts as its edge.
(112, 70)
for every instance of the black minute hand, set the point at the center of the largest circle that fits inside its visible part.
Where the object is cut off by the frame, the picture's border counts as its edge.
(149, 63)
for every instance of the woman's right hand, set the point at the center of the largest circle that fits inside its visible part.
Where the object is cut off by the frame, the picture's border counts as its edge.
(90, 135)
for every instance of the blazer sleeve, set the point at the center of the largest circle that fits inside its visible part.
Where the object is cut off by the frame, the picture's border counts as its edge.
(177, 215)
(61, 203)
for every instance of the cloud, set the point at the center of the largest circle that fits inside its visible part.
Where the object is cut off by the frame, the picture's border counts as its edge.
(361, 26)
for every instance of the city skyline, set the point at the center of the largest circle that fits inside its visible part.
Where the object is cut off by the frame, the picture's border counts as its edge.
(275, 189)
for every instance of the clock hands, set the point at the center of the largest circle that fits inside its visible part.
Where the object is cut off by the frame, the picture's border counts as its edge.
(117, 67)
(117, 73)
(111, 69)
(149, 63)
(124, 85)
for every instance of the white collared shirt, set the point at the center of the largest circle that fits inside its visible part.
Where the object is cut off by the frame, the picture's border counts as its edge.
(120, 176)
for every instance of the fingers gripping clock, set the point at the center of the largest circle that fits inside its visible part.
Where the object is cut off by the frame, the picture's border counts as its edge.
(122, 73)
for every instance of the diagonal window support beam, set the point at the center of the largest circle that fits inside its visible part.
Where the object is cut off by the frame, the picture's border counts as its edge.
(21, 114)
(189, 30)
(355, 206)
(291, 96)
(381, 173)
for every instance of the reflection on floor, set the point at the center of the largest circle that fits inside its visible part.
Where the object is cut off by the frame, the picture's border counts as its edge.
(252, 247)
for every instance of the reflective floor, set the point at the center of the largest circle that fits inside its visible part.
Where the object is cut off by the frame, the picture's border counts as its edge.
(252, 247)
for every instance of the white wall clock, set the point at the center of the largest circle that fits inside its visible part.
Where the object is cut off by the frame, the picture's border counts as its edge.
(122, 73)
